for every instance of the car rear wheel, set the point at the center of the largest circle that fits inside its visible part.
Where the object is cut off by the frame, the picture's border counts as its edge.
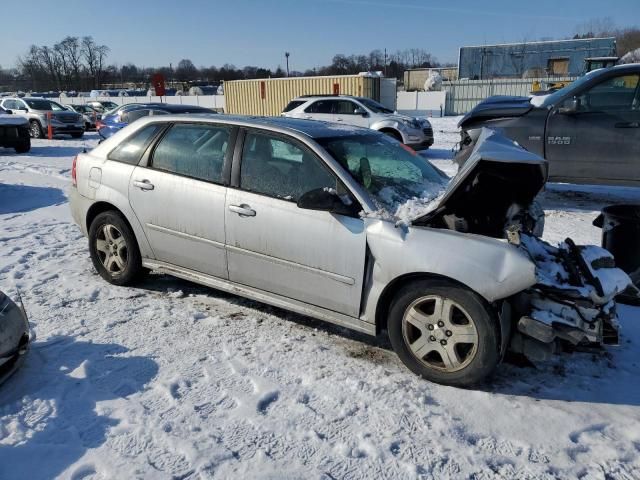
(444, 332)
(114, 249)
(35, 130)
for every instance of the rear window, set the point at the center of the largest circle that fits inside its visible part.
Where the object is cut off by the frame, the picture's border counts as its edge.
(293, 104)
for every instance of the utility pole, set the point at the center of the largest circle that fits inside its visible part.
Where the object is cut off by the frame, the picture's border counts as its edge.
(385, 62)
(286, 54)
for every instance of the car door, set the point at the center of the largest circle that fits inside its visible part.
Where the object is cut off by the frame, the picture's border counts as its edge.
(315, 257)
(595, 136)
(179, 196)
(345, 112)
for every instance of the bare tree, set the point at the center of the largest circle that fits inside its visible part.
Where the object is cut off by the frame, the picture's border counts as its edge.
(94, 56)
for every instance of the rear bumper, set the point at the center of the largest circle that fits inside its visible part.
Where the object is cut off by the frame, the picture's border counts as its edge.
(79, 206)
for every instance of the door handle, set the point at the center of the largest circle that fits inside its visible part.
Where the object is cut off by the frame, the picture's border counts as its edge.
(243, 210)
(308, 117)
(339, 120)
(143, 184)
(628, 125)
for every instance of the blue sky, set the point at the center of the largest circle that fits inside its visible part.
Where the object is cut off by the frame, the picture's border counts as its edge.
(258, 32)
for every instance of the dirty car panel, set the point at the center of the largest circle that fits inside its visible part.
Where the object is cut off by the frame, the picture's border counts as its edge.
(14, 336)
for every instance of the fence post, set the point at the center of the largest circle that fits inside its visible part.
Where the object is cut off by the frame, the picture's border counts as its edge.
(49, 127)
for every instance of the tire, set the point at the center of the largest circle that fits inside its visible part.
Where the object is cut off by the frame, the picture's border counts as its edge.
(393, 134)
(35, 130)
(114, 249)
(468, 336)
(77, 135)
(24, 148)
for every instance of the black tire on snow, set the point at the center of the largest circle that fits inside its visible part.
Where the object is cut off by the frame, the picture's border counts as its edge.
(133, 268)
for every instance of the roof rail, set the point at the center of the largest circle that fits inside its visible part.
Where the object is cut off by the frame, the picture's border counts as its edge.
(324, 95)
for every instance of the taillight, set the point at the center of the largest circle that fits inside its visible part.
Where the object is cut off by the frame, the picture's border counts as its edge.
(74, 181)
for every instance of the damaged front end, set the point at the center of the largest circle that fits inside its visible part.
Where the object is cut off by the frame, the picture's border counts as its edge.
(573, 304)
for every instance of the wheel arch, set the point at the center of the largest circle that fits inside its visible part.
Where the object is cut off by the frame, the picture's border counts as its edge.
(103, 206)
(390, 130)
(392, 288)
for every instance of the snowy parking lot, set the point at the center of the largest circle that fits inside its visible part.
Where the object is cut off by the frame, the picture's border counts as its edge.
(174, 380)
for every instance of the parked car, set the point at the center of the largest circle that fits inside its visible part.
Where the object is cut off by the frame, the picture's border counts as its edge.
(589, 131)
(362, 112)
(89, 114)
(14, 132)
(122, 116)
(102, 105)
(14, 336)
(36, 111)
(347, 225)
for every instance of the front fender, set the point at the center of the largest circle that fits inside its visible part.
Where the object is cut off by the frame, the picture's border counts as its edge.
(492, 268)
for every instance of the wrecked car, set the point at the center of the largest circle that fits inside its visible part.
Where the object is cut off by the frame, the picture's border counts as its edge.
(589, 131)
(349, 226)
(14, 336)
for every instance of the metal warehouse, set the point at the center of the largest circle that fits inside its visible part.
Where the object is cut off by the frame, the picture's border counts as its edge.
(532, 59)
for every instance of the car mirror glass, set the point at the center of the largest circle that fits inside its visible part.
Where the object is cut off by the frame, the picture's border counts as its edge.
(326, 200)
(360, 111)
(570, 106)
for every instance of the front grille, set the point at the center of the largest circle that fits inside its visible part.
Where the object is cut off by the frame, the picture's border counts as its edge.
(67, 118)
(428, 131)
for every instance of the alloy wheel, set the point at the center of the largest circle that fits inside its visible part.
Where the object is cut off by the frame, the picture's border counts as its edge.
(440, 334)
(112, 249)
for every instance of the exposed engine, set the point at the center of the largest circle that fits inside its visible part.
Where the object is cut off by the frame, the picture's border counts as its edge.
(573, 301)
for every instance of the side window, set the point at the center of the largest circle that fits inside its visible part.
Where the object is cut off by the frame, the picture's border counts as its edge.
(345, 107)
(131, 150)
(281, 168)
(321, 106)
(193, 150)
(614, 94)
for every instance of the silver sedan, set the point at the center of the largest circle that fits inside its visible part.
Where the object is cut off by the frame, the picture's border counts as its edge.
(343, 224)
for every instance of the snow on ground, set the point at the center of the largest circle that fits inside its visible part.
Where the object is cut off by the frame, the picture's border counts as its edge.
(173, 380)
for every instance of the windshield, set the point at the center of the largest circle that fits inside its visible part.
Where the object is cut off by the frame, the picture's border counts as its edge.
(555, 96)
(109, 105)
(374, 106)
(402, 184)
(44, 105)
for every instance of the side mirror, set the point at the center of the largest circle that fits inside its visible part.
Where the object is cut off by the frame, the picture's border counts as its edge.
(9, 112)
(361, 111)
(326, 200)
(570, 106)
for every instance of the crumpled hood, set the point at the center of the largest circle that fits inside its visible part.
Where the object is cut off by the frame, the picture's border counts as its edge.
(497, 107)
(12, 120)
(396, 117)
(497, 169)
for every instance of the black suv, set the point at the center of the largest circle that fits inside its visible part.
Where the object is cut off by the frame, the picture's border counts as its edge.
(14, 132)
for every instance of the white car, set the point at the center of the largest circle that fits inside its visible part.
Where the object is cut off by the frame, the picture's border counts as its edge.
(362, 112)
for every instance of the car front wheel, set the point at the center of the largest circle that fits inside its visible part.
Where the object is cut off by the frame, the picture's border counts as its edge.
(35, 129)
(114, 249)
(444, 332)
